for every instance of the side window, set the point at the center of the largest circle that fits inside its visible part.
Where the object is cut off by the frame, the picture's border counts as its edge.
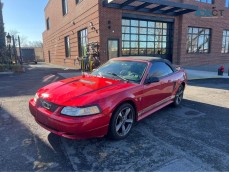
(159, 70)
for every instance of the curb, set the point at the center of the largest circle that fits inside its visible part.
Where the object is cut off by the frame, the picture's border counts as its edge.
(207, 78)
(6, 73)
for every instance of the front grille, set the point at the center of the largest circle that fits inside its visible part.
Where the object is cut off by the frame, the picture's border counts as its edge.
(47, 105)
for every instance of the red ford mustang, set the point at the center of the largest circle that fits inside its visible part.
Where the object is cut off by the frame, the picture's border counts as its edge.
(110, 99)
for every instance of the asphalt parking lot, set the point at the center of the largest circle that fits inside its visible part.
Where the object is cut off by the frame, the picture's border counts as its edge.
(193, 137)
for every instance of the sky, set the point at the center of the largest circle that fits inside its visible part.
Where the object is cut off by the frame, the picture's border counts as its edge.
(26, 17)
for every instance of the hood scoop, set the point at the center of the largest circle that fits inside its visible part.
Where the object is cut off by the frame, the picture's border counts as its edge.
(86, 82)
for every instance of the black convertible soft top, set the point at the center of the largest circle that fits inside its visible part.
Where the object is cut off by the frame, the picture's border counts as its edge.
(152, 60)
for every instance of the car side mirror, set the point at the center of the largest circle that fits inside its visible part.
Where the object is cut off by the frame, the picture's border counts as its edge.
(151, 80)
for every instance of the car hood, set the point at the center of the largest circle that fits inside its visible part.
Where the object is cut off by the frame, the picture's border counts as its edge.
(86, 87)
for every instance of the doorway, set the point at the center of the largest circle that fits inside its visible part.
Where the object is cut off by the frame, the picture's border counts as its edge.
(49, 55)
(113, 48)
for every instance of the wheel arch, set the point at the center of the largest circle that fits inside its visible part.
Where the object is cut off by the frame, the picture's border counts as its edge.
(183, 84)
(129, 101)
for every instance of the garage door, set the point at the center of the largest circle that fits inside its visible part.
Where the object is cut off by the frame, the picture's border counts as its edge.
(147, 38)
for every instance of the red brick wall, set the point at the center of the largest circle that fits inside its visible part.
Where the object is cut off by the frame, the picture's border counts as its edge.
(93, 11)
(216, 24)
(60, 26)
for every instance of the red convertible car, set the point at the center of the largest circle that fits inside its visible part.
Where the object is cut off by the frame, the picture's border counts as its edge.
(110, 99)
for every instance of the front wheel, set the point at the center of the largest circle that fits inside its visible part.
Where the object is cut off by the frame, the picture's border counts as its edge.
(121, 122)
(179, 96)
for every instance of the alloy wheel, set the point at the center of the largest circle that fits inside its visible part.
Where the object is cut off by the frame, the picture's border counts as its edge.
(124, 121)
(179, 95)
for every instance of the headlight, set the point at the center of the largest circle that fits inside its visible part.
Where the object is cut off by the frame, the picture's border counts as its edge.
(36, 97)
(80, 111)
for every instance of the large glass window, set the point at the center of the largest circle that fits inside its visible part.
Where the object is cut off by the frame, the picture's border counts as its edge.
(206, 1)
(67, 46)
(83, 41)
(227, 3)
(65, 6)
(198, 40)
(141, 37)
(225, 43)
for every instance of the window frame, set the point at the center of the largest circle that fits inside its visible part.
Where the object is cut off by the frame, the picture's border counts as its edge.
(78, 1)
(203, 1)
(80, 38)
(64, 7)
(48, 23)
(191, 34)
(224, 42)
(67, 46)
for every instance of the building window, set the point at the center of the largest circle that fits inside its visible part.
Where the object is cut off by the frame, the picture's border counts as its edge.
(67, 46)
(198, 40)
(227, 4)
(225, 43)
(141, 37)
(83, 41)
(47, 23)
(65, 6)
(206, 1)
(78, 1)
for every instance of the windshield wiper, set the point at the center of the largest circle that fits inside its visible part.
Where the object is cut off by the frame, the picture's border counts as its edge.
(114, 74)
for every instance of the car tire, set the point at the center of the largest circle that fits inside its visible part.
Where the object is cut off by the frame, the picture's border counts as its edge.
(179, 96)
(121, 122)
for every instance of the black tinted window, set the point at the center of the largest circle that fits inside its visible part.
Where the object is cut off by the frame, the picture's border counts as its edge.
(160, 69)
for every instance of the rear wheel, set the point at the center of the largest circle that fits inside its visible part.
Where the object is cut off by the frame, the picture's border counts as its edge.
(122, 122)
(179, 96)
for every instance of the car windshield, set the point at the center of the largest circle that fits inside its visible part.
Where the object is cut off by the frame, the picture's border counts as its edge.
(126, 70)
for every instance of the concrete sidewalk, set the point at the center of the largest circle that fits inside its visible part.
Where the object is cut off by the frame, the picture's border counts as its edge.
(197, 74)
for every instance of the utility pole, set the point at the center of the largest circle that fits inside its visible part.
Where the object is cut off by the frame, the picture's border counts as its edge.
(19, 43)
(14, 50)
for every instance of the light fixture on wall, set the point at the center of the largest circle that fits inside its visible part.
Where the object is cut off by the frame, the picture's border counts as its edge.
(92, 26)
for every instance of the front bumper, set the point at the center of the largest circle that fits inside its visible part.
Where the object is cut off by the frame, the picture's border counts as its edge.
(70, 127)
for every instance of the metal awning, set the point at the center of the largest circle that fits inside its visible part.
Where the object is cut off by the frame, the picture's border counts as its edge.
(164, 7)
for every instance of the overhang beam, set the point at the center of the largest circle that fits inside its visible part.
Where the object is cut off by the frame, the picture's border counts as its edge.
(182, 8)
(142, 6)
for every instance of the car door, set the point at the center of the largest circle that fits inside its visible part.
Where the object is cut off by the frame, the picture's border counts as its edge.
(157, 93)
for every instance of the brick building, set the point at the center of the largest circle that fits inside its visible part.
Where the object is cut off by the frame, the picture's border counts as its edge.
(187, 32)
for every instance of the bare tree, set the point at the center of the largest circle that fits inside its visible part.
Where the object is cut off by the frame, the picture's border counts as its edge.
(24, 41)
(35, 44)
(13, 32)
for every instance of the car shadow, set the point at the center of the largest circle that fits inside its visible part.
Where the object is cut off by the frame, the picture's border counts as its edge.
(23, 148)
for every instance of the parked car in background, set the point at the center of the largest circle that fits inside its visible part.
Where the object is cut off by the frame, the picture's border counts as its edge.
(110, 99)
